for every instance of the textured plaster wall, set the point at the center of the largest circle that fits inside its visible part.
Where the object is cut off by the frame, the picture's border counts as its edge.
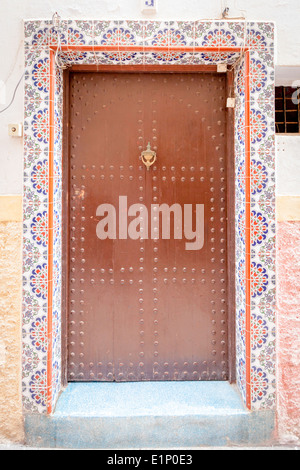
(288, 331)
(11, 419)
(288, 288)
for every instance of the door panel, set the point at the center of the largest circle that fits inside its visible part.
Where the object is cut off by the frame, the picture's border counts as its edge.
(147, 309)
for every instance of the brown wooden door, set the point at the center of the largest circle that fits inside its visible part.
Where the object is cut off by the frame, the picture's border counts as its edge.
(147, 309)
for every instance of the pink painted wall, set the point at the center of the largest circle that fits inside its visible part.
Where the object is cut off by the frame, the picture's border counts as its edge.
(288, 331)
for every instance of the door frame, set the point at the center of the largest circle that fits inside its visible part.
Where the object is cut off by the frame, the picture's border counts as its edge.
(247, 48)
(230, 249)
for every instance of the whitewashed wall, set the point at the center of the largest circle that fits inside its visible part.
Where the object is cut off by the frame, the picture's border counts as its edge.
(288, 165)
(285, 13)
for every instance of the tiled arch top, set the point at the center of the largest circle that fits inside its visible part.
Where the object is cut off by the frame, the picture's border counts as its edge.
(247, 46)
(147, 35)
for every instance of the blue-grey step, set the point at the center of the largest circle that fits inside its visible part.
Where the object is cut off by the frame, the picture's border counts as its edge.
(149, 415)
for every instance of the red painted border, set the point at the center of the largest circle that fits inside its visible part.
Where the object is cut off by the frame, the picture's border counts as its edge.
(248, 229)
(117, 48)
(50, 230)
(94, 48)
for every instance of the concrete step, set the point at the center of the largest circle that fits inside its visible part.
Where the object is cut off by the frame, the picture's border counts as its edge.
(151, 415)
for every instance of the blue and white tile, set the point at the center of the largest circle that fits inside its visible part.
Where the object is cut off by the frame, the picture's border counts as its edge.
(37, 33)
(260, 35)
(207, 33)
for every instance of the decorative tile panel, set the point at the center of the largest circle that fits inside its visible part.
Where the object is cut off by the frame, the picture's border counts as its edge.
(131, 42)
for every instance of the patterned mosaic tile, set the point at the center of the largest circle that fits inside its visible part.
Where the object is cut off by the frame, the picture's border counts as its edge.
(262, 76)
(181, 33)
(116, 33)
(131, 33)
(37, 33)
(80, 33)
(156, 33)
(59, 35)
(260, 36)
(207, 33)
(212, 58)
(212, 35)
(100, 29)
(37, 81)
(235, 33)
(171, 58)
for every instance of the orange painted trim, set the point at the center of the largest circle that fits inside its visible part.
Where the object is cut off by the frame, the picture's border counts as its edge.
(248, 229)
(50, 230)
(116, 48)
(94, 48)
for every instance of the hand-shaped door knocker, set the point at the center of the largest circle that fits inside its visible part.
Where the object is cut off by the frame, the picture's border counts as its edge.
(148, 157)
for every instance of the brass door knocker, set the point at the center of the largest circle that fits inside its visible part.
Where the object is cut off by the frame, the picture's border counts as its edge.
(148, 157)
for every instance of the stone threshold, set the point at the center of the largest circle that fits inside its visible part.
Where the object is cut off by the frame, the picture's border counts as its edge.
(149, 415)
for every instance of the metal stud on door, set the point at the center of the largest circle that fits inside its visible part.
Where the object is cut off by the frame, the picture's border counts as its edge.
(148, 240)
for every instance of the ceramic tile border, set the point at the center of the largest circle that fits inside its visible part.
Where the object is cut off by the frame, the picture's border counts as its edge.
(149, 42)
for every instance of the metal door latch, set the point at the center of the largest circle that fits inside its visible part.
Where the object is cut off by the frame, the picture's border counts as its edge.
(148, 157)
